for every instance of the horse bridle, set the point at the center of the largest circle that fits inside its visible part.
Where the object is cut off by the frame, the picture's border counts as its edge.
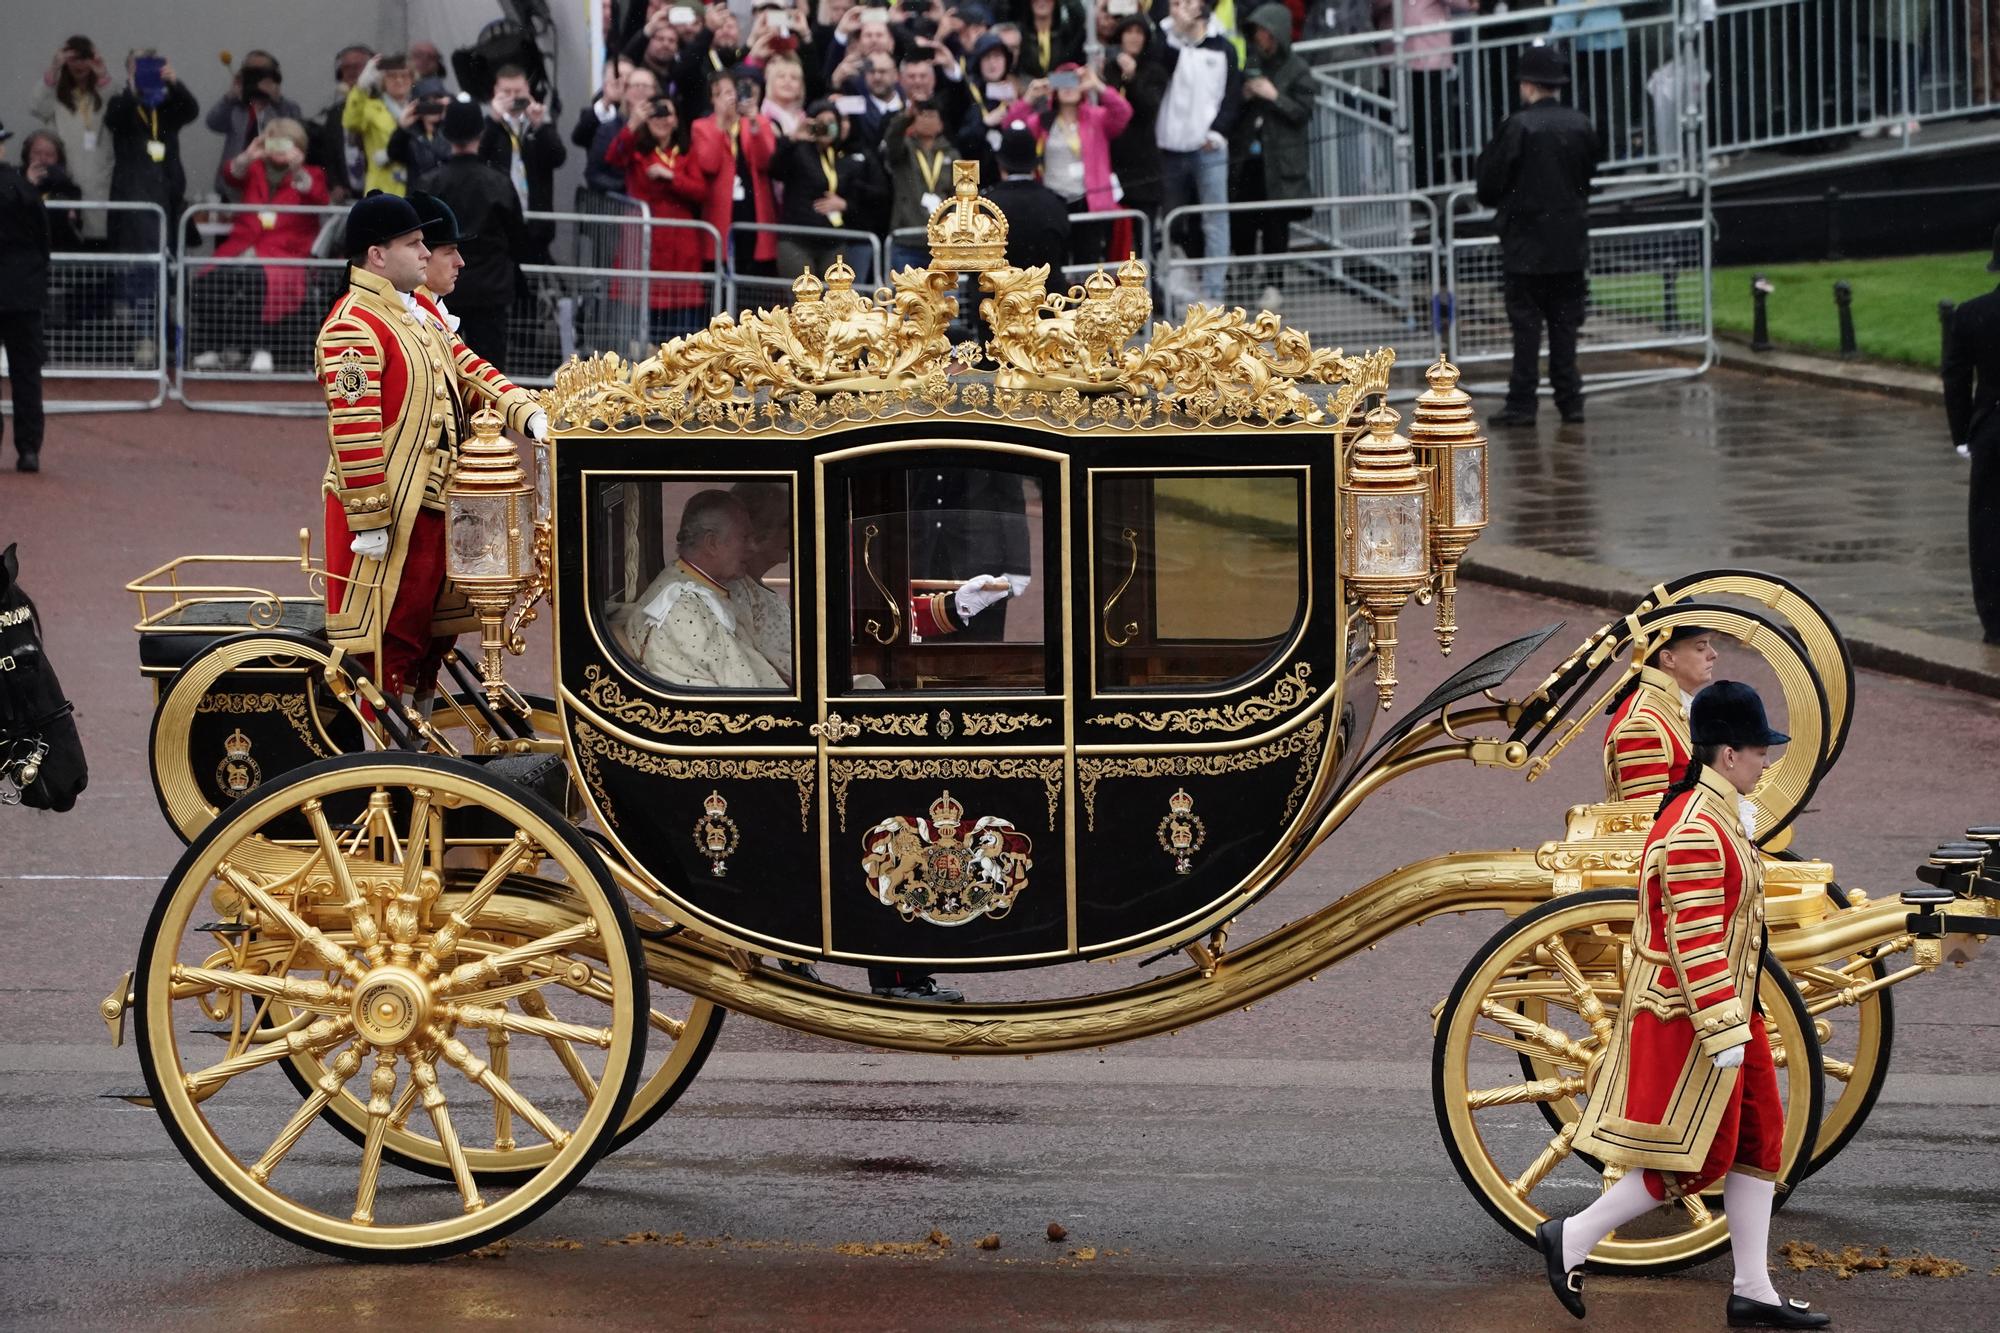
(22, 748)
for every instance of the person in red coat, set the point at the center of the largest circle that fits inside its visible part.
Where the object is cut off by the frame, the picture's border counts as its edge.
(1689, 1093)
(726, 176)
(1646, 745)
(271, 175)
(651, 150)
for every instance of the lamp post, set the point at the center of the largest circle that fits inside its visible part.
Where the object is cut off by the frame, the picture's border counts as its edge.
(488, 548)
(1448, 441)
(1385, 530)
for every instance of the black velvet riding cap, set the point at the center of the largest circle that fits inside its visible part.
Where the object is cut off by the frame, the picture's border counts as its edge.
(378, 219)
(1731, 713)
(440, 223)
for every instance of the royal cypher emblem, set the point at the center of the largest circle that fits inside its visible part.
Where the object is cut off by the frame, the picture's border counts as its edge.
(350, 376)
(715, 834)
(1181, 832)
(943, 872)
(238, 772)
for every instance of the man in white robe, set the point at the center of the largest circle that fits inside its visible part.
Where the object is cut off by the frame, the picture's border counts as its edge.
(703, 621)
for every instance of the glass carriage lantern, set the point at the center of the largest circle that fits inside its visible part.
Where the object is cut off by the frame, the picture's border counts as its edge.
(1385, 527)
(488, 554)
(1448, 440)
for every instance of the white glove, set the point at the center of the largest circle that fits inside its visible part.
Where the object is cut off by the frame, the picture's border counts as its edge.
(538, 425)
(371, 77)
(1016, 584)
(1731, 1058)
(370, 545)
(1746, 814)
(976, 594)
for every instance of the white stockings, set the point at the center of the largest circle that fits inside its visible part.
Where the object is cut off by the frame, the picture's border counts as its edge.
(1748, 1202)
(1625, 1200)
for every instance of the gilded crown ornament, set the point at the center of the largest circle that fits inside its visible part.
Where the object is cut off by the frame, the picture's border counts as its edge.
(967, 233)
(946, 813)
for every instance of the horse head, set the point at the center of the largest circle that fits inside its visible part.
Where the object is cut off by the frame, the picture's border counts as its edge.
(40, 751)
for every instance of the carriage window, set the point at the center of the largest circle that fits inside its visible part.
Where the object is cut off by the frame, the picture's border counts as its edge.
(945, 580)
(1198, 577)
(692, 579)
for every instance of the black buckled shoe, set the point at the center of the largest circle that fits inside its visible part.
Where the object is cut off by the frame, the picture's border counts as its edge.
(1568, 1286)
(1793, 1313)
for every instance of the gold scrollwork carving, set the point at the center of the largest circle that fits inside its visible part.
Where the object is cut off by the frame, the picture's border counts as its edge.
(604, 694)
(897, 724)
(1285, 694)
(292, 707)
(1305, 743)
(1000, 724)
(841, 772)
(594, 747)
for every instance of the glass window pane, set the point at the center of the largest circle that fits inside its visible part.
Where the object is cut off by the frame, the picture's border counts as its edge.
(945, 580)
(692, 580)
(1199, 577)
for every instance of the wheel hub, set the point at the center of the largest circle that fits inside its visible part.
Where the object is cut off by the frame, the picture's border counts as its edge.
(391, 1006)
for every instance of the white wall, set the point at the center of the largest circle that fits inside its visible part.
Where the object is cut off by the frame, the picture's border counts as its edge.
(302, 34)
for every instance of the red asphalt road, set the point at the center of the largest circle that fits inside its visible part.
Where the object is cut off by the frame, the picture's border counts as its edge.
(122, 493)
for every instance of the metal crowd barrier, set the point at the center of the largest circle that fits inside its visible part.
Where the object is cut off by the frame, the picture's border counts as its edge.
(1365, 291)
(861, 249)
(1669, 85)
(107, 312)
(1650, 289)
(220, 307)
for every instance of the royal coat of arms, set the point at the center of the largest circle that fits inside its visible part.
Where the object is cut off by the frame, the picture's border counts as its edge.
(715, 834)
(941, 870)
(238, 772)
(1181, 832)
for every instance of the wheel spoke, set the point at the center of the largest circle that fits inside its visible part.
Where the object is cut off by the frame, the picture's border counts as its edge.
(1530, 1049)
(445, 943)
(498, 1046)
(1538, 1090)
(423, 1078)
(488, 969)
(360, 913)
(478, 1071)
(1840, 1069)
(332, 954)
(501, 1021)
(327, 1088)
(566, 1054)
(317, 997)
(1546, 1161)
(1697, 1211)
(315, 1038)
(667, 1023)
(1553, 1041)
(381, 1094)
(1585, 997)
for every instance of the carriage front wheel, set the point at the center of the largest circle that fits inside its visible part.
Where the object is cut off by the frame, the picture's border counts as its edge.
(359, 899)
(1548, 985)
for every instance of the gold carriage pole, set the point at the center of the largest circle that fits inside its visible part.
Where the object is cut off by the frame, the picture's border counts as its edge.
(489, 544)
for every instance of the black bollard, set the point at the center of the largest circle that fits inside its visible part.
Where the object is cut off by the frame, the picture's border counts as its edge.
(1760, 318)
(1670, 290)
(1946, 310)
(1843, 301)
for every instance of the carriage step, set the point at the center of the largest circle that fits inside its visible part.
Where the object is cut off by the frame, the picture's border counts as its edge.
(136, 1096)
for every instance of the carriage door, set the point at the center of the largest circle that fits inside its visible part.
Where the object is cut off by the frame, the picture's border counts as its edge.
(945, 670)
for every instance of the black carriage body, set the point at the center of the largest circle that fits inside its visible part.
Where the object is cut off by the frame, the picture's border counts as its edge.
(1096, 777)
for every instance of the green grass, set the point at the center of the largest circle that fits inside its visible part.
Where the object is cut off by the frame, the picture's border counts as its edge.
(1895, 302)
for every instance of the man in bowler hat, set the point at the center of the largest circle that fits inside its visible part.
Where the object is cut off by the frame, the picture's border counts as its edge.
(1535, 175)
(397, 387)
(1688, 1095)
(1971, 393)
(488, 209)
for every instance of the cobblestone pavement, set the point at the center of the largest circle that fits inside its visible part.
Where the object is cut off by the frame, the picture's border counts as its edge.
(1857, 497)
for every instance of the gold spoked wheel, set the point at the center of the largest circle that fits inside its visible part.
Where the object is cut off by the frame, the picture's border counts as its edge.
(377, 925)
(1548, 985)
(683, 1030)
(1854, 1041)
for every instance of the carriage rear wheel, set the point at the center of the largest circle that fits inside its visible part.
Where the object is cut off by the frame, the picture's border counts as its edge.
(1549, 985)
(1854, 1044)
(352, 911)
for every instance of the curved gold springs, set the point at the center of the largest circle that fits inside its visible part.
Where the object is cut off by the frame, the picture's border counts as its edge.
(1131, 627)
(874, 626)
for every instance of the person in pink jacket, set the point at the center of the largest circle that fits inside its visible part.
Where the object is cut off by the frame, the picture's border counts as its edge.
(272, 174)
(1434, 87)
(1075, 117)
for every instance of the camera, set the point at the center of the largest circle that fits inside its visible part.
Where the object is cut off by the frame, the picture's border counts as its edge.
(431, 106)
(923, 29)
(821, 129)
(1122, 8)
(1063, 79)
(518, 106)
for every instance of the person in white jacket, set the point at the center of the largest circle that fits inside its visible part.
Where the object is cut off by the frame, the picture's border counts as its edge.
(1204, 94)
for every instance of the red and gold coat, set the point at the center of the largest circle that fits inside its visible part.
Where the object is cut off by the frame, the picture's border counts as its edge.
(396, 385)
(1646, 748)
(1659, 1100)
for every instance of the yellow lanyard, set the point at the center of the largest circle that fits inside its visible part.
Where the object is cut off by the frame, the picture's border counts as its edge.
(735, 131)
(1042, 40)
(153, 120)
(930, 169)
(832, 182)
(667, 159)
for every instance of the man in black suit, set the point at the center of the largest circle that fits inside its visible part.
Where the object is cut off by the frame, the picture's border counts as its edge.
(1037, 218)
(522, 143)
(1535, 174)
(1972, 354)
(489, 210)
(24, 295)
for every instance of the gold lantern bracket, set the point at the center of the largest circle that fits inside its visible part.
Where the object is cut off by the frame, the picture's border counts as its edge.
(1448, 442)
(489, 543)
(1385, 523)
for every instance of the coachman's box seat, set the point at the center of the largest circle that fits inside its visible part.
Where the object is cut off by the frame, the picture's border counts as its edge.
(172, 641)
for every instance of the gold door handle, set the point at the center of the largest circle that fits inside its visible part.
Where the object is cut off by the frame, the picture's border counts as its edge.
(874, 626)
(835, 729)
(1131, 628)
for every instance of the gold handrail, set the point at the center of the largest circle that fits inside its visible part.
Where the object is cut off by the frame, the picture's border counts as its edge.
(874, 626)
(1131, 628)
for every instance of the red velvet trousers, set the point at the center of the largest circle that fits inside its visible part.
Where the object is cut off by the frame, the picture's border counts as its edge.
(1752, 1131)
(410, 654)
